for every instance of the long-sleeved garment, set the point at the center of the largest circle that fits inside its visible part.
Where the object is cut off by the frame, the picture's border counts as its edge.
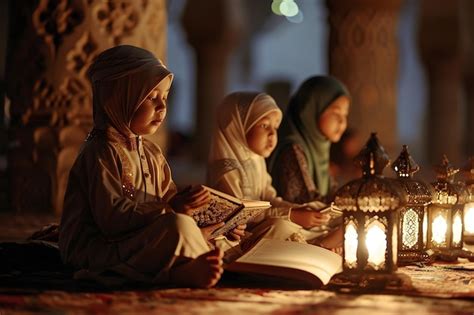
(116, 210)
(302, 154)
(116, 214)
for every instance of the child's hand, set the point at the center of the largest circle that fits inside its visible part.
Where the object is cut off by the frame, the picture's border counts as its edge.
(207, 231)
(308, 218)
(190, 199)
(237, 233)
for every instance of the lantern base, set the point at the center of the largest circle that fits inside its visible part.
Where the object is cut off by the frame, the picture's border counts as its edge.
(368, 282)
(468, 239)
(408, 258)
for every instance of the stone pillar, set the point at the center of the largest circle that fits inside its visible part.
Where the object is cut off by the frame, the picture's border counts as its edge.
(439, 40)
(363, 53)
(51, 44)
(213, 29)
(467, 58)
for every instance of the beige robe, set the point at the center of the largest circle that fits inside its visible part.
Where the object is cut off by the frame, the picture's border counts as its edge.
(116, 214)
(234, 169)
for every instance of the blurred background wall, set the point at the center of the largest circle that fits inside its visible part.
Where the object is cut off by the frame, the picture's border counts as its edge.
(409, 65)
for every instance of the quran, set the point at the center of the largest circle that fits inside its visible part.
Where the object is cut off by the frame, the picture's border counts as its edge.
(228, 209)
(301, 263)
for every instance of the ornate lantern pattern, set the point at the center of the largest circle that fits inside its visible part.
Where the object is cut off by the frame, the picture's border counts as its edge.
(445, 213)
(468, 172)
(369, 206)
(413, 215)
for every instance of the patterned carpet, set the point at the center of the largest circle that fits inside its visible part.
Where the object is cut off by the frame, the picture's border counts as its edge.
(437, 289)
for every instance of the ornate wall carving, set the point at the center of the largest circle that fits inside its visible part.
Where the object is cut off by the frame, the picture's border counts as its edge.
(51, 44)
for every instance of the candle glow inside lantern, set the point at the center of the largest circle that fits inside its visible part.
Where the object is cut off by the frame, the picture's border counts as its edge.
(468, 172)
(445, 213)
(413, 212)
(369, 206)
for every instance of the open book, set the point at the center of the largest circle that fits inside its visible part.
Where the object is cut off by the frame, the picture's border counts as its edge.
(228, 209)
(310, 264)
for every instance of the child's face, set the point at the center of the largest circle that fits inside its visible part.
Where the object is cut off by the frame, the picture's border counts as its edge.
(333, 121)
(152, 111)
(262, 138)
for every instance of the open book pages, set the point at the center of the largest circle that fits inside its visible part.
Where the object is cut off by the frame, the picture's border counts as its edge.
(289, 260)
(226, 208)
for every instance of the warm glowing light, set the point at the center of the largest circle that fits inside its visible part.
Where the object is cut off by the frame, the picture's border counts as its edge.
(469, 218)
(457, 229)
(376, 242)
(439, 229)
(410, 228)
(350, 244)
(425, 228)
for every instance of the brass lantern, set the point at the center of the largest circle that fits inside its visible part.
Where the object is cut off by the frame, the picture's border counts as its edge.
(445, 213)
(468, 172)
(413, 216)
(369, 206)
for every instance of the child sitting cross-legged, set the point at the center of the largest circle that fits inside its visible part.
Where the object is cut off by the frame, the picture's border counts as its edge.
(122, 214)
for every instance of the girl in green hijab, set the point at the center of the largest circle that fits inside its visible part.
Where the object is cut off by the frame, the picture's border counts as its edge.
(315, 118)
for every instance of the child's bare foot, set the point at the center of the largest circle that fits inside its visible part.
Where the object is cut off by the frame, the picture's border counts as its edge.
(202, 272)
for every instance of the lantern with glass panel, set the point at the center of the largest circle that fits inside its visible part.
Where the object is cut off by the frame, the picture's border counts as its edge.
(445, 213)
(468, 172)
(413, 213)
(370, 210)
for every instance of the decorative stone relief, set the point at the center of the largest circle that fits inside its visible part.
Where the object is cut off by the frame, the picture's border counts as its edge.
(51, 45)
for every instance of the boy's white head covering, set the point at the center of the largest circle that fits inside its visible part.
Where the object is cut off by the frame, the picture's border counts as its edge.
(236, 115)
(121, 78)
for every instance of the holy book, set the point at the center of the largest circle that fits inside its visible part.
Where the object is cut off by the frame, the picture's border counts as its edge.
(305, 263)
(228, 209)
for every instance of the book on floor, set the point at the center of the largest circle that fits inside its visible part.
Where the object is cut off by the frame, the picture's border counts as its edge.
(228, 209)
(305, 263)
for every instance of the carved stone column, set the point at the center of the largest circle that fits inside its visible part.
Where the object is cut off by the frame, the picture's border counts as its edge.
(51, 44)
(439, 39)
(213, 29)
(363, 53)
(467, 42)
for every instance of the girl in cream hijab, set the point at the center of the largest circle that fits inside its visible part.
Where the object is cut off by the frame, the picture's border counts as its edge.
(246, 134)
(121, 210)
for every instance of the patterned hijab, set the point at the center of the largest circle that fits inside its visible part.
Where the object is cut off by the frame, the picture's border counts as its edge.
(121, 78)
(300, 126)
(237, 114)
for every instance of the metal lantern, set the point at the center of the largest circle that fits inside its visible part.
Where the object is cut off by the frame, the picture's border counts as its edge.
(413, 215)
(445, 213)
(369, 206)
(468, 172)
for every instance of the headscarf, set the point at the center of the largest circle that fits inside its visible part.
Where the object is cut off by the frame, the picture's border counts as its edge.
(121, 78)
(237, 114)
(300, 126)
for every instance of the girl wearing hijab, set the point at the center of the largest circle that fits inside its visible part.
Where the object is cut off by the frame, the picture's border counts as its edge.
(121, 210)
(315, 118)
(246, 134)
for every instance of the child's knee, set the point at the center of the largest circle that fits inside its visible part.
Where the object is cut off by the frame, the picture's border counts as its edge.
(183, 223)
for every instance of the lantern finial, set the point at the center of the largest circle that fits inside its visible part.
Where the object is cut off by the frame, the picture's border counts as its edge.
(404, 165)
(445, 171)
(372, 158)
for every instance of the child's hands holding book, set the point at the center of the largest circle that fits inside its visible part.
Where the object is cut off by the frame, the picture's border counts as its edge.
(237, 233)
(190, 199)
(307, 217)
